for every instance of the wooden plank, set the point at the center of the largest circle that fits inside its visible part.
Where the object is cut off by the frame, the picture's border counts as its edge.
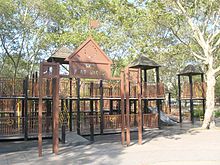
(122, 109)
(128, 139)
(139, 108)
(40, 107)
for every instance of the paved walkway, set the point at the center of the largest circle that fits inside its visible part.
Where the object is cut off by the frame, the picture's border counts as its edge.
(169, 146)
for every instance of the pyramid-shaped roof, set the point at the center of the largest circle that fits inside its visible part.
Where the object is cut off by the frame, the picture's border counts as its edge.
(144, 63)
(89, 52)
(60, 55)
(191, 70)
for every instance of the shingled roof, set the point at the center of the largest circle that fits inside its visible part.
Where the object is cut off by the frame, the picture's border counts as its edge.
(191, 70)
(60, 55)
(144, 63)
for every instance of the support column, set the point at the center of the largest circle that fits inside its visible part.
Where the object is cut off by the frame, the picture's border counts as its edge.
(71, 106)
(101, 108)
(191, 98)
(158, 101)
(55, 85)
(91, 113)
(145, 92)
(169, 102)
(78, 106)
(139, 108)
(128, 139)
(203, 95)
(179, 99)
(40, 107)
(26, 109)
(122, 109)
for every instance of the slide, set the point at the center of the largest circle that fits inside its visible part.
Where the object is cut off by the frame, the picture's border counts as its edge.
(163, 117)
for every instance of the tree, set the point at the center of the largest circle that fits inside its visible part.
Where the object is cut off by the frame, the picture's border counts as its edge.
(197, 26)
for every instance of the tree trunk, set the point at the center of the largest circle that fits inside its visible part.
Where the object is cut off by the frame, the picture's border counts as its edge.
(210, 100)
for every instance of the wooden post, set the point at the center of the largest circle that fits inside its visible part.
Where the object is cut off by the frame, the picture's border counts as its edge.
(91, 113)
(35, 85)
(179, 99)
(169, 102)
(101, 108)
(26, 110)
(122, 109)
(158, 101)
(139, 108)
(127, 107)
(40, 107)
(32, 85)
(78, 106)
(203, 95)
(71, 106)
(191, 98)
(55, 84)
(63, 129)
(145, 91)
(111, 107)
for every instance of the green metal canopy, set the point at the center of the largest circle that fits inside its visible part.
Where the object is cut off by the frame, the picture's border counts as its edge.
(144, 63)
(191, 70)
(60, 55)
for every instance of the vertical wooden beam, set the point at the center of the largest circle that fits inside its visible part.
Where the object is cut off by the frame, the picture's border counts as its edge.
(71, 106)
(55, 85)
(169, 102)
(158, 101)
(203, 95)
(26, 110)
(191, 98)
(128, 139)
(179, 99)
(111, 107)
(40, 107)
(145, 91)
(139, 108)
(78, 106)
(122, 108)
(101, 108)
(32, 85)
(36, 83)
(91, 113)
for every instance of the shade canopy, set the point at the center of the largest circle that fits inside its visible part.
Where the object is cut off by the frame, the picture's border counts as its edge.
(144, 63)
(60, 55)
(191, 70)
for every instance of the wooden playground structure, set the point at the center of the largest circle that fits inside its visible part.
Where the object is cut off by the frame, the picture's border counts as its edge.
(87, 100)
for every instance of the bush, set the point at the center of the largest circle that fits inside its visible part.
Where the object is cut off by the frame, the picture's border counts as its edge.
(217, 113)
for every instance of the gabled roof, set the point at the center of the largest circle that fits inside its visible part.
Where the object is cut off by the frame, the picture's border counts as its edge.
(191, 70)
(60, 55)
(89, 52)
(144, 63)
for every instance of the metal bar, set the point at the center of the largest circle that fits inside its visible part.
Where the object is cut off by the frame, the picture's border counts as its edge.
(179, 95)
(128, 139)
(139, 108)
(122, 108)
(101, 108)
(78, 106)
